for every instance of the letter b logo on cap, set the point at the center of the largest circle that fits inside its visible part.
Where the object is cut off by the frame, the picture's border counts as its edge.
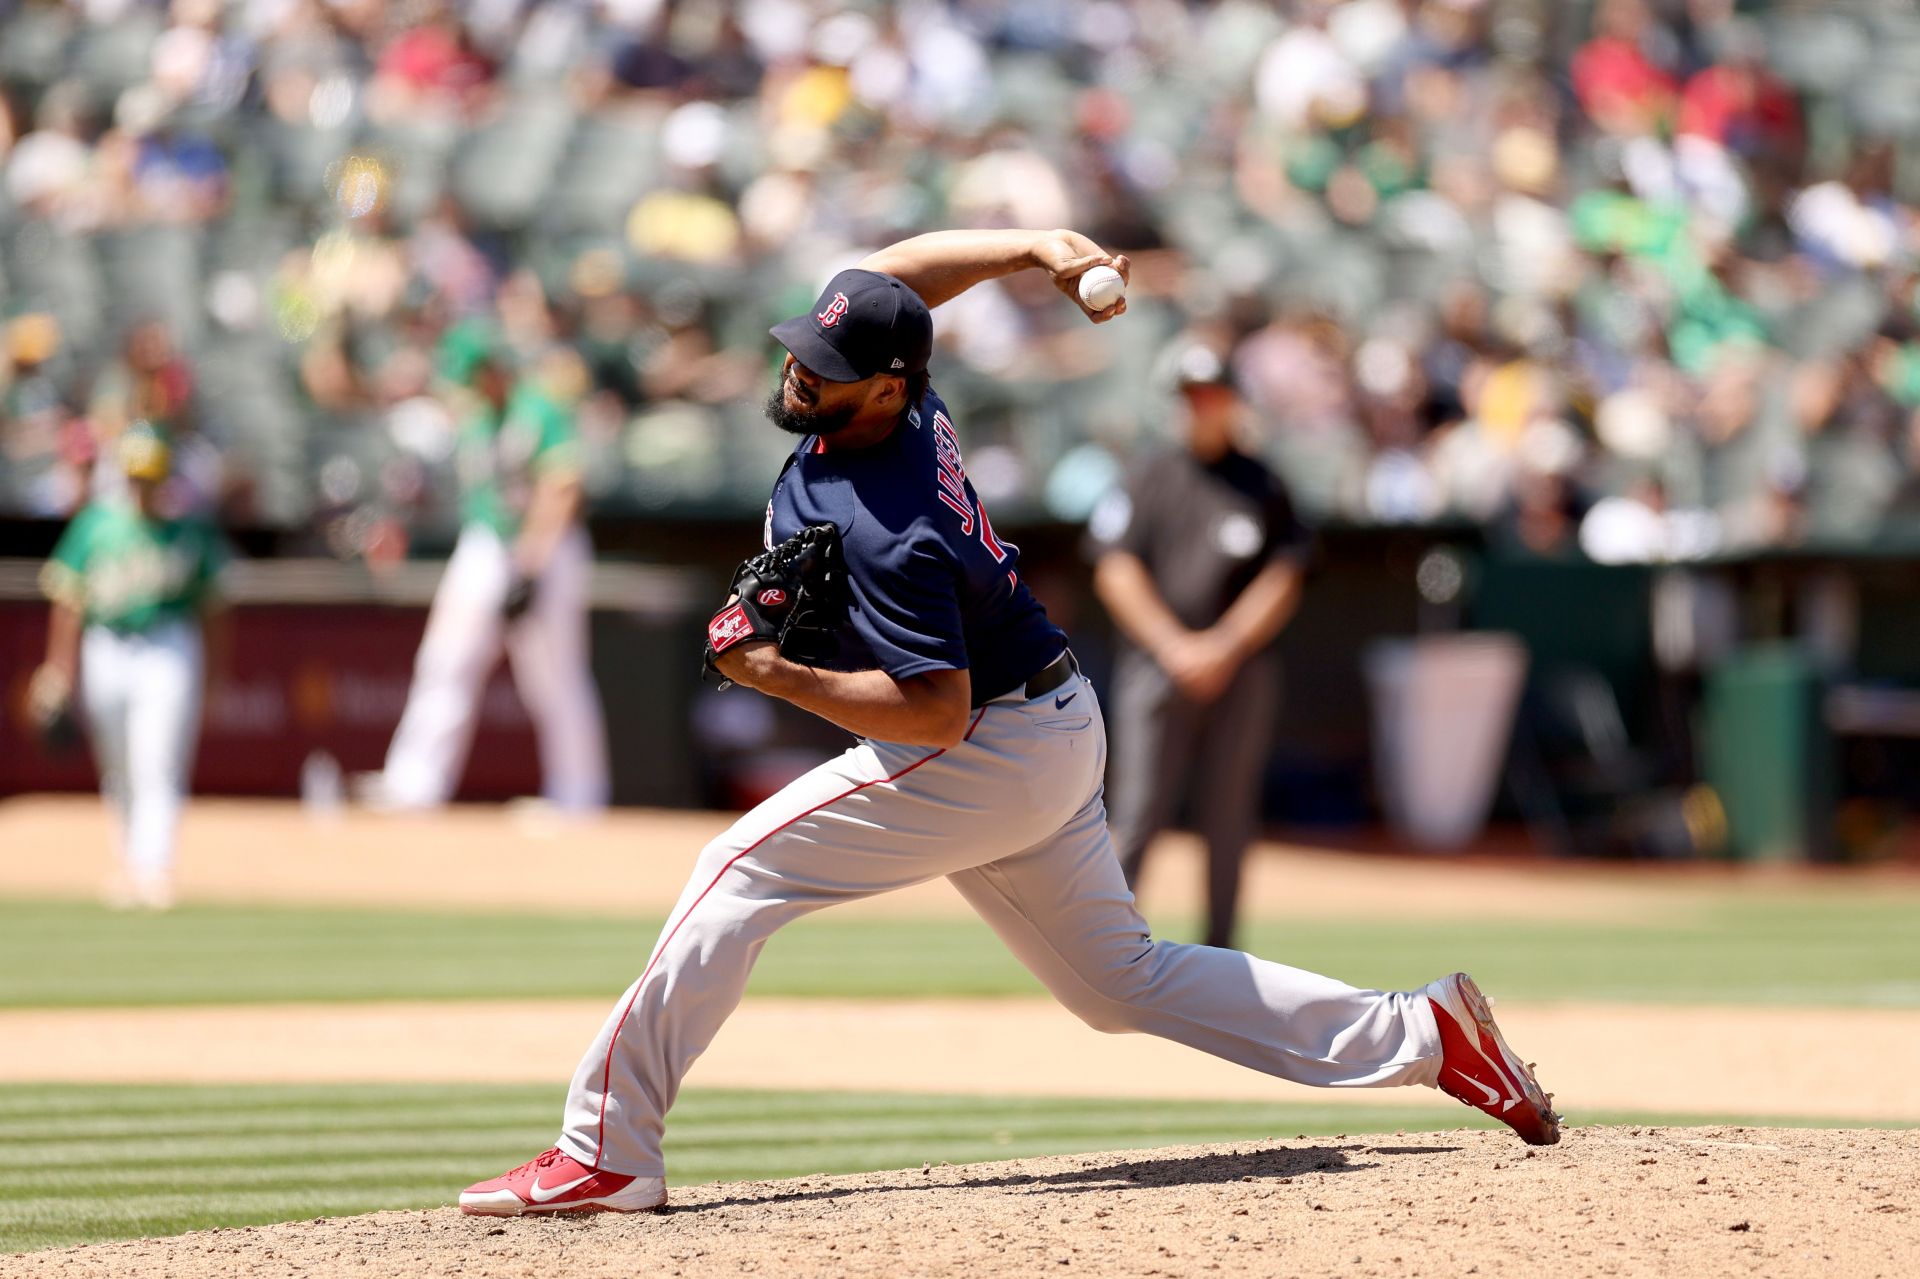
(835, 309)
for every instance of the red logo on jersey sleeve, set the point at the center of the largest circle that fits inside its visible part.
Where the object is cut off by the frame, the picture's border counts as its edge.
(835, 309)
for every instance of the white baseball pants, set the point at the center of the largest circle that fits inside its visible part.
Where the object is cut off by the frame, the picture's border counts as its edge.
(141, 693)
(551, 668)
(1013, 817)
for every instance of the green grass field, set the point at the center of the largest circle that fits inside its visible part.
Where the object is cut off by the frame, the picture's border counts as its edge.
(85, 1164)
(1859, 953)
(89, 1163)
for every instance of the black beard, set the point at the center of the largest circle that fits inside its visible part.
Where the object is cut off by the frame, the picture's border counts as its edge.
(805, 421)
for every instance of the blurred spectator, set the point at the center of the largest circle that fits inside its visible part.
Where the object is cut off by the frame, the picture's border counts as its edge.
(45, 451)
(150, 380)
(1741, 105)
(1618, 83)
(1495, 262)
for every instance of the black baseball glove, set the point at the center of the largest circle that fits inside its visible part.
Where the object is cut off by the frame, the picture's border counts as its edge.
(793, 595)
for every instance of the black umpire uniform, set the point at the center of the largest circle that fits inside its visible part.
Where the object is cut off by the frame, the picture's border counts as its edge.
(1221, 548)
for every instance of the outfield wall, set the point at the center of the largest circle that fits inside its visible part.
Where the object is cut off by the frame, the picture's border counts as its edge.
(323, 653)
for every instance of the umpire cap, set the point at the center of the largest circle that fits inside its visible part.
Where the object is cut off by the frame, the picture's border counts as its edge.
(865, 323)
(1195, 364)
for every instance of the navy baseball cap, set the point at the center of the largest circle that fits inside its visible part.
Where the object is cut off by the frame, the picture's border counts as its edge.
(865, 323)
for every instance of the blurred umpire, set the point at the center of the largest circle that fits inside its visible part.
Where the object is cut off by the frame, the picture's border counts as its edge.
(1199, 562)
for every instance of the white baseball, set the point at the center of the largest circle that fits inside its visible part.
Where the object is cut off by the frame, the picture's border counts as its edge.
(1101, 287)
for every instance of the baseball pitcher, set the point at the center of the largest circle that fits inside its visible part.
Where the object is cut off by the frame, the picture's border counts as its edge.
(886, 603)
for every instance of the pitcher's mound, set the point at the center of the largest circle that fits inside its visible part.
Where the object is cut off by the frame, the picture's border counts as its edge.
(1696, 1202)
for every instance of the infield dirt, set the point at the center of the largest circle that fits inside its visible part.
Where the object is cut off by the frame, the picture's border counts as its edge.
(474, 857)
(1699, 1202)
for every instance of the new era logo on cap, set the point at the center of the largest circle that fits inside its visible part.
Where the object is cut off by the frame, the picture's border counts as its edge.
(865, 323)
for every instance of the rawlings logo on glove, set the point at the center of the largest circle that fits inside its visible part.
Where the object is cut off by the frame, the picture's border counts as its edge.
(728, 627)
(793, 595)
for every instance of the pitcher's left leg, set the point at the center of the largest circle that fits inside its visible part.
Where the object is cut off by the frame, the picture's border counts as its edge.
(1063, 908)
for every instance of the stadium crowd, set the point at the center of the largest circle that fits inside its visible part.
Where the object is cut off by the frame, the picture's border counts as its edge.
(1633, 279)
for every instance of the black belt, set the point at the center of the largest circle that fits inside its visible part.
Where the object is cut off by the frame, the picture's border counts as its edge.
(1045, 680)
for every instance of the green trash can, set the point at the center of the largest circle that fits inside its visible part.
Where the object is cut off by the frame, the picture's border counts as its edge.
(1765, 749)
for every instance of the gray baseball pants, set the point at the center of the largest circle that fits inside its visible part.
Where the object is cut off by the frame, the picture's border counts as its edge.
(1013, 817)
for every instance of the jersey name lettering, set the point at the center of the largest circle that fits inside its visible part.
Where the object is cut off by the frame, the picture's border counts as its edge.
(952, 474)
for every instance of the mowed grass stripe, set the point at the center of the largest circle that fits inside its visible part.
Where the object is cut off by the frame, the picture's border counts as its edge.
(24, 1104)
(1855, 951)
(82, 1140)
(79, 1128)
(239, 1166)
(63, 1223)
(191, 1109)
(224, 1112)
(214, 1153)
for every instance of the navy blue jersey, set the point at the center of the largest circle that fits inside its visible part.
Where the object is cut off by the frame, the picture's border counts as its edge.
(932, 587)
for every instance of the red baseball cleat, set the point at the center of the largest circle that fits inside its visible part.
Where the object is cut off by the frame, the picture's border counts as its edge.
(1478, 1068)
(555, 1182)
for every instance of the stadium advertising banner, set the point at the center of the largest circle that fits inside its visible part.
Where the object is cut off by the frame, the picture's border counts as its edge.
(302, 678)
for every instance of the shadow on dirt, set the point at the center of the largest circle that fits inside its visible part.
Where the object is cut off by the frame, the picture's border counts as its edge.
(1280, 1162)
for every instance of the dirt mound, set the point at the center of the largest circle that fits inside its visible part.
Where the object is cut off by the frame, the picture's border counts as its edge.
(1695, 1201)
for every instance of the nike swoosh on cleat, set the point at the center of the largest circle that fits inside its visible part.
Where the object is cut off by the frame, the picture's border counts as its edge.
(547, 1194)
(1492, 1096)
(1060, 703)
